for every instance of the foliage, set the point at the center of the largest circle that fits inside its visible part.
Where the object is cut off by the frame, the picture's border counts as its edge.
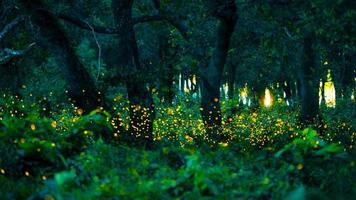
(265, 157)
(54, 145)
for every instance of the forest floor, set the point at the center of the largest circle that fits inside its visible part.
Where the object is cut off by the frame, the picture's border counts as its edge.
(267, 156)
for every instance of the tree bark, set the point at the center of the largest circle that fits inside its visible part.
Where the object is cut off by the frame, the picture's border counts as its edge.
(141, 101)
(309, 84)
(211, 75)
(348, 74)
(166, 86)
(322, 93)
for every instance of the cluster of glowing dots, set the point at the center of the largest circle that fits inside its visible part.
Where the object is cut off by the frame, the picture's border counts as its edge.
(177, 121)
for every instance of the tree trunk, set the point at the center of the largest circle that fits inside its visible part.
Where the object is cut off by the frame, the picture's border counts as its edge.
(309, 84)
(322, 93)
(258, 92)
(49, 35)
(168, 87)
(167, 76)
(348, 74)
(141, 101)
(211, 75)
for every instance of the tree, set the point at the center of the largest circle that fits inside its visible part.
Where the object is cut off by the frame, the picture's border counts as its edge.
(141, 102)
(167, 71)
(50, 36)
(211, 75)
(309, 82)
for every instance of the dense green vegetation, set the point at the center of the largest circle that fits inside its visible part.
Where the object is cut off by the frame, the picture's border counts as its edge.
(172, 99)
(266, 156)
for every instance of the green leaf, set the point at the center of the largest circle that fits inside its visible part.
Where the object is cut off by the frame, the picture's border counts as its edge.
(64, 177)
(329, 149)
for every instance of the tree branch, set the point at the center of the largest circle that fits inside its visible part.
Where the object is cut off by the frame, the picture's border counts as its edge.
(99, 52)
(135, 20)
(101, 29)
(146, 18)
(286, 31)
(82, 24)
(11, 26)
(179, 25)
(7, 54)
(5, 11)
(279, 2)
(173, 20)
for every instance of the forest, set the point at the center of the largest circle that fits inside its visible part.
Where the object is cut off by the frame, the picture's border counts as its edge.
(177, 99)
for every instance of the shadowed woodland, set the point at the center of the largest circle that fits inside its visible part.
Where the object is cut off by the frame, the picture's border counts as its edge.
(172, 99)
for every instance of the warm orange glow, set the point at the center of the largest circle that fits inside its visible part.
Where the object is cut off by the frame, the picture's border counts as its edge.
(80, 111)
(27, 173)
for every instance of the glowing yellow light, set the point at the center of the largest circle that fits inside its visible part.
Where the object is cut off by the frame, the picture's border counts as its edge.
(329, 94)
(300, 166)
(188, 138)
(27, 173)
(226, 88)
(33, 127)
(2, 171)
(80, 111)
(170, 111)
(243, 92)
(267, 101)
(353, 96)
(54, 124)
(224, 144)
